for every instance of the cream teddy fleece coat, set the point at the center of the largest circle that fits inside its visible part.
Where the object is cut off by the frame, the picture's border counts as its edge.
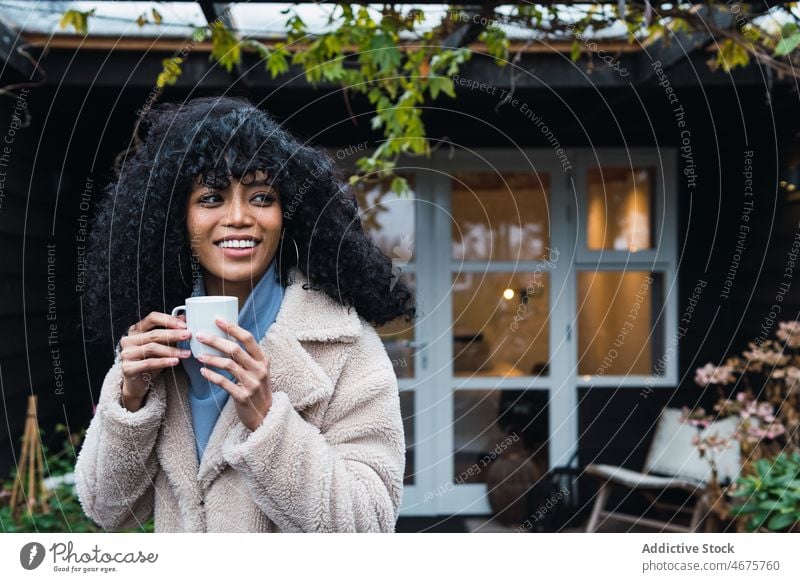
(329, 456)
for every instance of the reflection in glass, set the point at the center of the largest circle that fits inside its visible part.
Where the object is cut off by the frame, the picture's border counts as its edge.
(500, 439)
(397, 336)
(407, 410)
(500, 324)
(389, 218)
(500, 216)
(620, 207)
(619, 328)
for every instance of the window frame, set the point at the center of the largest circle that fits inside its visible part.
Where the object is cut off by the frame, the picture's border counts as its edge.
(662, 258)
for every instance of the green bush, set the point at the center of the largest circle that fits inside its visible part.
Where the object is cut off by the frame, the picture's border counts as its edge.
(66, 514)
(772, 494)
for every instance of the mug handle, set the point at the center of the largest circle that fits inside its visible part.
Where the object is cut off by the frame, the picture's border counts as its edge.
(177, 309)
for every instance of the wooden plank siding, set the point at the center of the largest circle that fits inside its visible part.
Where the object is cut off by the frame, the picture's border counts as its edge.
(37, 279)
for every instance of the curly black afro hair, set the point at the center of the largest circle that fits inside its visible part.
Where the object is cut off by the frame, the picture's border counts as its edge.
(139, 259)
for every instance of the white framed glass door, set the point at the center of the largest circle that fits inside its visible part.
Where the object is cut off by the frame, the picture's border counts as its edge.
(499, 383)
(520, 273)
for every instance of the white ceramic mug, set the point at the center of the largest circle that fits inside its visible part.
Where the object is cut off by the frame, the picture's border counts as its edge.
(200, 315)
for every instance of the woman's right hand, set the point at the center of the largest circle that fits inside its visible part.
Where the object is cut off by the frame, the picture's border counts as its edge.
(148, 348)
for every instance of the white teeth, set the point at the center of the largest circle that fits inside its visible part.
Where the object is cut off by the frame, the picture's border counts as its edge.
(237, 244)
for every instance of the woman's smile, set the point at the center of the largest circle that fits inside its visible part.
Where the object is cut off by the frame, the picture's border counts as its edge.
(238, 246)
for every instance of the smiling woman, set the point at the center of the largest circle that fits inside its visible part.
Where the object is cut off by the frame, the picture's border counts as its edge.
(297, 425)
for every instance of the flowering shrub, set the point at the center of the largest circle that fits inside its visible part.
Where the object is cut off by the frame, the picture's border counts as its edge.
(762, 391)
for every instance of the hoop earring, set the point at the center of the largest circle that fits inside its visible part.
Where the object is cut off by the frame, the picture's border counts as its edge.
(280, 256)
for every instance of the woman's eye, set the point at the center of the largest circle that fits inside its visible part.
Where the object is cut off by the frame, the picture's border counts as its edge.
(211, 198)
(263, 198)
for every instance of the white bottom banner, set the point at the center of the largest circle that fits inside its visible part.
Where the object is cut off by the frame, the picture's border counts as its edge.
(416, 557)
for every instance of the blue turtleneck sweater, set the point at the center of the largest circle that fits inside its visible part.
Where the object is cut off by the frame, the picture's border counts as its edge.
(257, 314)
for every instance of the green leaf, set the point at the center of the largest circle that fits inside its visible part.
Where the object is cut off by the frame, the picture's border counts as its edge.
(226, 49)
(788, 29)
(771, 505)
(77, 19)
(199, 34)
(744, 489)
(744, 509)
(731, 55)
(170, 73)
(575, 51)
(787, 44)
(679, 25)
(399, 185)
(782, 521)
(763, 467)
(758, 519)
(277, 63)
(496, 44)
(333, 70)
(386, 54)
(443, 84)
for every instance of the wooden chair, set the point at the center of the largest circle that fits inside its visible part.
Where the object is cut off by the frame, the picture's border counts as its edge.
(672, 462)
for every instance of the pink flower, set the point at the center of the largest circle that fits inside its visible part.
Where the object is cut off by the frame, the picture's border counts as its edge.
(789, 332)
(791, 375)
(748, 411)
(765, 410)
(764, 354)
(770, 432)
(711, 374)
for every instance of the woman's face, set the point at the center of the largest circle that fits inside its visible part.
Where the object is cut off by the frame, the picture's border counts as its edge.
(234, 233)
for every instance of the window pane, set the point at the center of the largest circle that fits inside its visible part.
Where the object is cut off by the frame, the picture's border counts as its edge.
(491, 427)
(620, 209)
(500, 324)
(397, 336)
(389, 218)
(500, 216)
(407, 410)
(619, 331)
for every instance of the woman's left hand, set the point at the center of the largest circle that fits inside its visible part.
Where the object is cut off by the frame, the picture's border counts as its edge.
(253, 393)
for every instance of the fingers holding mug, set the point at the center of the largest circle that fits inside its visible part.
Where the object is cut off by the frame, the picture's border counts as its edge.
(147, 350)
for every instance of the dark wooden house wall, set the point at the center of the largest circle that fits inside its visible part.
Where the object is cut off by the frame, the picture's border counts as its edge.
(40, 342)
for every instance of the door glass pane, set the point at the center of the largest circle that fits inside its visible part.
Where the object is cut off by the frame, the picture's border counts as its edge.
(500, 324)
(493, 427)
(407, 410)
(620, 209)
(389, 218)
(500, 216)
(397, 336)
(619, 328)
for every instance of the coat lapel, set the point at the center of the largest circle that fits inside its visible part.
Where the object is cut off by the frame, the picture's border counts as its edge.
(305, 315)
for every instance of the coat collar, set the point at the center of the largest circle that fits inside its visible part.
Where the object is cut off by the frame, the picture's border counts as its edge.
(305, 315)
